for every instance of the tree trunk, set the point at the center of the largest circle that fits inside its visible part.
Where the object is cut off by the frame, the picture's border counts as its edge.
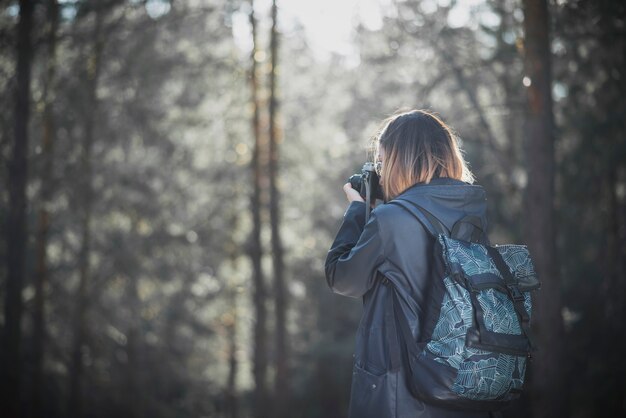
(231, 395)
(134, 393)
(281, 387)
(41, 276)
(86, 193)
(231, 324)
(261, 403)
(16, 218)
(548, 385)
(612, 295)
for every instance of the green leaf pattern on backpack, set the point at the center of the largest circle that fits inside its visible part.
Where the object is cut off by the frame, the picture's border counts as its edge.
(482, 375)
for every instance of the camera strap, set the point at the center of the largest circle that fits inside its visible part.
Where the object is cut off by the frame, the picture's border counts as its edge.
(368, 200)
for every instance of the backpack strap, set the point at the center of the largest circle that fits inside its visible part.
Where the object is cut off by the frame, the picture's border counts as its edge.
(516, 296)
(405, 343)
(470, 226)
(433, 225)
(389, 326)
(391, 330)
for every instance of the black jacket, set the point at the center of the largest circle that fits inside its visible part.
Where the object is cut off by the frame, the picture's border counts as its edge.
(395, 246)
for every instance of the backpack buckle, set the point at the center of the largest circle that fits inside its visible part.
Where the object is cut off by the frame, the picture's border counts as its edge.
(515, 293)
(468, 284)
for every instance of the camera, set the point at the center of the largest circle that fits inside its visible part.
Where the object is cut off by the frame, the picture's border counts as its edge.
(368, 180)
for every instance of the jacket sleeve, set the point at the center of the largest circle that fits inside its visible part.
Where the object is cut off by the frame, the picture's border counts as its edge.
(355, 254)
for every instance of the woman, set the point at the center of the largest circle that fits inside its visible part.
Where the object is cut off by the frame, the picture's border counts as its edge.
(419, 160)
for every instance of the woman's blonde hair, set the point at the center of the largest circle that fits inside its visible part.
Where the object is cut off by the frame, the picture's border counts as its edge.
(418, 147)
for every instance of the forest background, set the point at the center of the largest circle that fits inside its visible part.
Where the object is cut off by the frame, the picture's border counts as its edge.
(171, 181)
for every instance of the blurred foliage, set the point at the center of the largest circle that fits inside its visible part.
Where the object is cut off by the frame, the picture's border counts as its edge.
(171, 180)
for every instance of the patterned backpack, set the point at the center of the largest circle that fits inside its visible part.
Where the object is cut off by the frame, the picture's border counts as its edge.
(476, 338)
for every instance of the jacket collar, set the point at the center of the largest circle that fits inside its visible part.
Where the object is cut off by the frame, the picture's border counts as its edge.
(440, 181)
(445, 181)
(447, 193)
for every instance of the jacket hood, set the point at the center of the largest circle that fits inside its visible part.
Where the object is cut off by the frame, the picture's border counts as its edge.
(449, 199)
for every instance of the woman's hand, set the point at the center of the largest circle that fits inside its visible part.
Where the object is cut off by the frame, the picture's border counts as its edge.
(351, 194)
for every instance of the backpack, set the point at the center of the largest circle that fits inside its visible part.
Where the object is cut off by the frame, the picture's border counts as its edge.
(476, 340)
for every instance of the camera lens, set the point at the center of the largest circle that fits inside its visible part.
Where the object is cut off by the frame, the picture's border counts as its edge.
(355, 181)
